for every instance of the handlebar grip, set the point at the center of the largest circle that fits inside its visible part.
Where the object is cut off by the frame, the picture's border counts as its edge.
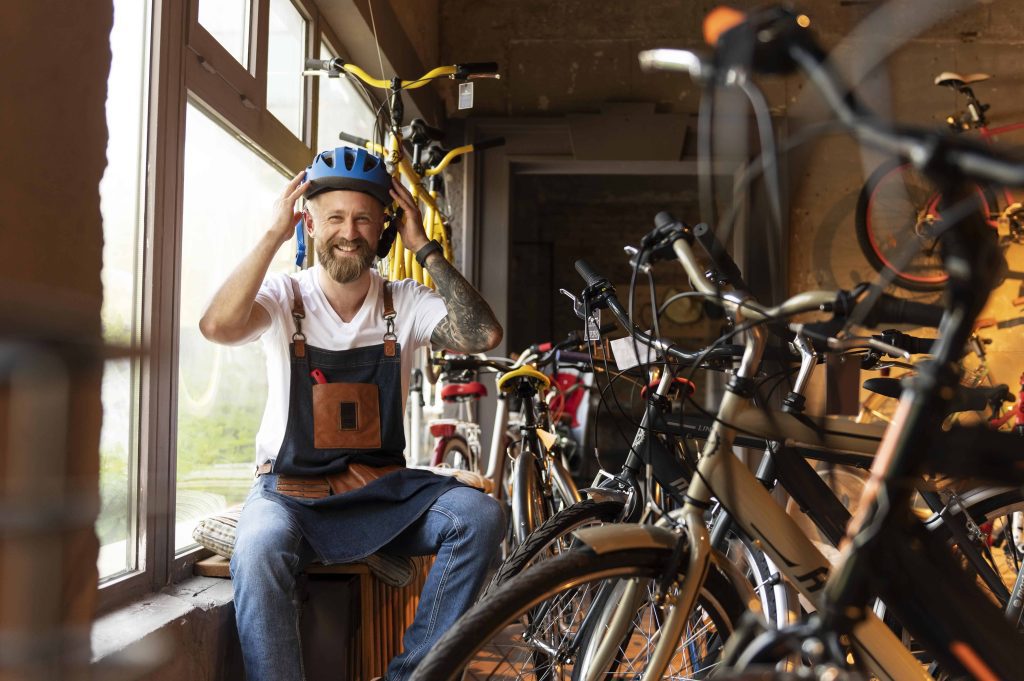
(320, 64)
(917, 346)
(473, 68)
(574, 357)
(892, 310)
(489, 144)
(588, 273)
(353, 139)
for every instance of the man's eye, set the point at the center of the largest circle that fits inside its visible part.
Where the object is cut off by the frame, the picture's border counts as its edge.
(334, 219)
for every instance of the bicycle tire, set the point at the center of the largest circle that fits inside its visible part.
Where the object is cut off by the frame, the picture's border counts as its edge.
(530, 506)
(779, 601)
(998, 506)
(457, 454)
(475, 640)
(550, 539)
(895, 207)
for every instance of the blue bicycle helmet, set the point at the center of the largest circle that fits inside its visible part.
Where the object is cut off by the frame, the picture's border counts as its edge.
(348, 168)
(355, 170)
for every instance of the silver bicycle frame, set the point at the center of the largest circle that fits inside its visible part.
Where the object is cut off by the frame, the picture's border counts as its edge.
(723, 476)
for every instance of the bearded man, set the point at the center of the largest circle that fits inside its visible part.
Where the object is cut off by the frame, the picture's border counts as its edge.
(331, 479)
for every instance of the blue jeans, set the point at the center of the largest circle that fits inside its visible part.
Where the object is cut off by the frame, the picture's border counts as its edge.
(463, 528)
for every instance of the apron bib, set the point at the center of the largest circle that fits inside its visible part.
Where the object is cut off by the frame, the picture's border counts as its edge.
(341, 465)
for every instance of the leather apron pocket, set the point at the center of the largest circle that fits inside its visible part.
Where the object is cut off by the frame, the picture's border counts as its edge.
(346, 415)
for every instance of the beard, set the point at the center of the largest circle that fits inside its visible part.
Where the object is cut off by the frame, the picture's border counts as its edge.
(345, 267)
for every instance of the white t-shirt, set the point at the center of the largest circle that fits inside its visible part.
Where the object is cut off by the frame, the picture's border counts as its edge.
(417, 311)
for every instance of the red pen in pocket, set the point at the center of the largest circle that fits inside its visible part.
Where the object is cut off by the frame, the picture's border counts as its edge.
(318, 376)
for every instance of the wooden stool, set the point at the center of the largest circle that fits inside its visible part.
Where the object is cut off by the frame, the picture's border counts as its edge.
(384, 612)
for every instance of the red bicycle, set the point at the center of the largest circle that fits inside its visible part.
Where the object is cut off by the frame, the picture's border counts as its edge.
(897, 219)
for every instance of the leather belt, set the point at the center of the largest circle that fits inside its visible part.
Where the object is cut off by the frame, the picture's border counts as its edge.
(356, 476)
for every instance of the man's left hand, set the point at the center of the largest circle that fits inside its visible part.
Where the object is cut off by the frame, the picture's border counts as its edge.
(414, 237)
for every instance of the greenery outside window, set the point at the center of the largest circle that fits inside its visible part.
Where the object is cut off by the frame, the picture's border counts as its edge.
(228, 192)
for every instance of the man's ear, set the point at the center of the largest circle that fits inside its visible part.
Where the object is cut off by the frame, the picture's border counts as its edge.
(307, 220)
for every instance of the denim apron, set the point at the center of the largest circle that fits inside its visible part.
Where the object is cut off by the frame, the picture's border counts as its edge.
(345, 407)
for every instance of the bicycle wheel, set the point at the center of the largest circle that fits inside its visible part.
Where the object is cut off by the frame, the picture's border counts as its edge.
(896, 222)
(778, 598)
(457, 453)
(996, 516)
(536, 625)
(530, 505)
(555, 537)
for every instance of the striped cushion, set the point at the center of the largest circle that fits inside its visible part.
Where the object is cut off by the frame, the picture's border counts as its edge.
(217, 533)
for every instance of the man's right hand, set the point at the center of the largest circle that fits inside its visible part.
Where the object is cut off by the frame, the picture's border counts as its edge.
(284, 214)
(233, 316)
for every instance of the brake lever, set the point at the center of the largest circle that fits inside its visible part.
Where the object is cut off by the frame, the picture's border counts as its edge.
(577, 304)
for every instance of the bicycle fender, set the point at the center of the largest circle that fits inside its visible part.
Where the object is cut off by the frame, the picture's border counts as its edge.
(606, 538)
(616, 537)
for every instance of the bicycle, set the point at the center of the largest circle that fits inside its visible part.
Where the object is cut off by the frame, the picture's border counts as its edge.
(410, 152)
(621, 497)
(683, 579)
(933, 603)
(897, 217)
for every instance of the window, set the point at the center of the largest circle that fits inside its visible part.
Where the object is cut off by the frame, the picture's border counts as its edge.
(228, 22)
(342, 108)
(179, 425)
(228, 193)
(121, 192)
(286, 55)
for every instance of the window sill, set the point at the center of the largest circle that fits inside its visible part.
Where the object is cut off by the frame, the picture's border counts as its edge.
(154, 631)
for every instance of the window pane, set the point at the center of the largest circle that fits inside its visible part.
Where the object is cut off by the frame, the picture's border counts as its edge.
(121, 196)
(228, 22)
(286, 57)
(228, 194)
(341, 109)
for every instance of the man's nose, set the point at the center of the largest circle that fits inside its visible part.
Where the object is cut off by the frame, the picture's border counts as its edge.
(348, 230)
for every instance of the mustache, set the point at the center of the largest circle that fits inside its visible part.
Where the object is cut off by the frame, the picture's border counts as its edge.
(341, 241)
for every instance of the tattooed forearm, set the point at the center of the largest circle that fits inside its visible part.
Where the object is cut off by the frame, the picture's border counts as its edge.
(470, 325)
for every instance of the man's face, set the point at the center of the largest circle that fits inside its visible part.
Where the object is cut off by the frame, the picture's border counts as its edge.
(346, 226)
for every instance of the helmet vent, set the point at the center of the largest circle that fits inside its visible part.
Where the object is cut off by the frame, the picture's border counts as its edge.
(328, 158)
(369, 163)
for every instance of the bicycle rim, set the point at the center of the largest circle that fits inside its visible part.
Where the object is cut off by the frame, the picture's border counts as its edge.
(896, 218)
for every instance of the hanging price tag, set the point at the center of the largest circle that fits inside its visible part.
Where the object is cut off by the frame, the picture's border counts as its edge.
(465, 96)
(592, 332)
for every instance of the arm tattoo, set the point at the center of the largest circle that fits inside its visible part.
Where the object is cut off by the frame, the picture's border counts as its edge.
(470, 326)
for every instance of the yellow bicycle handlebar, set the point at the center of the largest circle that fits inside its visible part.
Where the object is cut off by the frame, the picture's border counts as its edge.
(439, 72)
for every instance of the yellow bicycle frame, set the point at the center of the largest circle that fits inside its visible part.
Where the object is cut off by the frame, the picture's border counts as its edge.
(401, 263)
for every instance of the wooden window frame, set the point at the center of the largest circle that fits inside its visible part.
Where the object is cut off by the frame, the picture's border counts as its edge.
(186, 63)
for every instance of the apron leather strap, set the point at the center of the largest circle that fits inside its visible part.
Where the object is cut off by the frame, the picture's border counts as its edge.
(298, 314)
(390, 339)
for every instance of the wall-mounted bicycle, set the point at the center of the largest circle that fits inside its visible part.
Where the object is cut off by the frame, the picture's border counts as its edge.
(897, 211)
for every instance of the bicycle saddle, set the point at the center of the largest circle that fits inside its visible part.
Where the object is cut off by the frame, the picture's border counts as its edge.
(967, 399)
(955, 79)
(455, 391)
(526, 372)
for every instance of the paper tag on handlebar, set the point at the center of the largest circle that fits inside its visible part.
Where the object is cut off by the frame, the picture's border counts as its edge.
(465, 96)
(625, 352)
(592, 329)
